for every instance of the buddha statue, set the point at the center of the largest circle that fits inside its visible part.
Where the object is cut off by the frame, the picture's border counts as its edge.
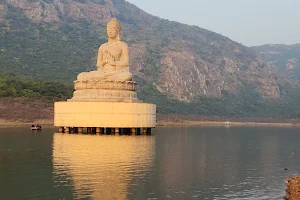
(112, 59)
(112, 81)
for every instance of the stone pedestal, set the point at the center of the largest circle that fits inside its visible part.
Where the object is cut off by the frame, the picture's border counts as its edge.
(104, 114)
(98, 104)
(111, 91)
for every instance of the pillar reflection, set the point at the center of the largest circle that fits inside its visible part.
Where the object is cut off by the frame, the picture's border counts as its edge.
(100, 167)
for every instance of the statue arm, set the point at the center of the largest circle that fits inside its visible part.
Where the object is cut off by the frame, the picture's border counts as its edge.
(100, 61)
(124, 60)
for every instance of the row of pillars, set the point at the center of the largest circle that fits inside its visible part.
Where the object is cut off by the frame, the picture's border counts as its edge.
(106, 131)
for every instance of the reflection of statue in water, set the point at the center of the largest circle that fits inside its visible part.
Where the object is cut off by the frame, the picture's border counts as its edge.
(113, 58)
(113, 164)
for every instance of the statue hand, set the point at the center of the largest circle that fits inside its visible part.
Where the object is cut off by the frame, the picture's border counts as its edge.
(112, 63)
(101, 64)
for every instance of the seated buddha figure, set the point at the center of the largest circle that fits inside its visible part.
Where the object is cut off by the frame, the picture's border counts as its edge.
(113, 58)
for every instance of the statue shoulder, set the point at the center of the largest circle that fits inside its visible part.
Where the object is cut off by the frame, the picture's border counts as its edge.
(123, 44)
(102, 45)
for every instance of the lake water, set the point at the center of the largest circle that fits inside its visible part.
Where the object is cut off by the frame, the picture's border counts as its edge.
(174, 163)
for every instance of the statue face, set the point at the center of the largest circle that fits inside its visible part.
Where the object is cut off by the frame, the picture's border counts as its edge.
(112, 31)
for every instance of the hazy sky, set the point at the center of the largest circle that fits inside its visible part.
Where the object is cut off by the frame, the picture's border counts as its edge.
(250, 22)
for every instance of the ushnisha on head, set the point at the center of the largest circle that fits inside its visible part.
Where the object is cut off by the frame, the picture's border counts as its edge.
(114, 29)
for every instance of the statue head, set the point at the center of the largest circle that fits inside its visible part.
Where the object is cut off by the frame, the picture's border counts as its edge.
(114, 29)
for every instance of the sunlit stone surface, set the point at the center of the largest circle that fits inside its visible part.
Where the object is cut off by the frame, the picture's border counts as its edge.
(104, 114)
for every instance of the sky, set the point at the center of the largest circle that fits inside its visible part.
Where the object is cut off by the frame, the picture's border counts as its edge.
(250, 22)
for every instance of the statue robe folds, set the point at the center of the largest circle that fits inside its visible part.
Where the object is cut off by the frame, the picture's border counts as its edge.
(112, 64)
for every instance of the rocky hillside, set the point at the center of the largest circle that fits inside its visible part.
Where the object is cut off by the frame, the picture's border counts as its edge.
(286, 58)
(57, 39)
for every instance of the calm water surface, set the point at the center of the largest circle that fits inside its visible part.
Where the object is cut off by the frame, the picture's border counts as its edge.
(173, 163)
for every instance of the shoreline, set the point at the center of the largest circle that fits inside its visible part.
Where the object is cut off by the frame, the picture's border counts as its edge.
(224, 123)
(167, 123)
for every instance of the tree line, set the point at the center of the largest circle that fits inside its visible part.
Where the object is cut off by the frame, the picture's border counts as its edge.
(23, 86)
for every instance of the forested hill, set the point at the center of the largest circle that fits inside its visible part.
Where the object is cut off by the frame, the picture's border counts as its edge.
(27, 99)
(183, 69)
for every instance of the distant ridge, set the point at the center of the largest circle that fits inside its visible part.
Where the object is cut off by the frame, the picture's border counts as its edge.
(286, 58)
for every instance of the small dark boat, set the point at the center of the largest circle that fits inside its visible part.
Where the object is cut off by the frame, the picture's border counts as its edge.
(36, 127)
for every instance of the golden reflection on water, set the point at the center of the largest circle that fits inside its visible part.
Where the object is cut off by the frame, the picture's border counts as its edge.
(101, 167)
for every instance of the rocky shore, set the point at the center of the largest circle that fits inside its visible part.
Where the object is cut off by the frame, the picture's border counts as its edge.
(293, 188)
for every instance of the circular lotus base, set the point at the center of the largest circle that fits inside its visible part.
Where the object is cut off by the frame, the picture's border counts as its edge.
(104, 114)
(107, 85)
(104, 95)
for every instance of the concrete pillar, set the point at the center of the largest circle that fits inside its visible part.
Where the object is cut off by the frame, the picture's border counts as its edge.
(80, 129)
(67, 130)
(98, 130)
(60, 129)
(133, 130)
(144, 131)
